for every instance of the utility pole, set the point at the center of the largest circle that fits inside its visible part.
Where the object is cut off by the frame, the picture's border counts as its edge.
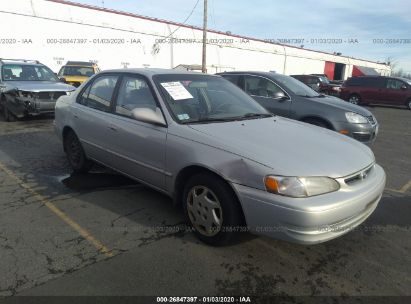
(204, 61)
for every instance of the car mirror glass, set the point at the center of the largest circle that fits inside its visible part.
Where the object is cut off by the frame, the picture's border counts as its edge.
(149, 115)
(279, 96)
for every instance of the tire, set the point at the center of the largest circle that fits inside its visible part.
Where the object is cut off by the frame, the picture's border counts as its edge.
(317, 122)
(8, 116)
(354, 99)
(75, 153)
(408, 104)
(216, 200)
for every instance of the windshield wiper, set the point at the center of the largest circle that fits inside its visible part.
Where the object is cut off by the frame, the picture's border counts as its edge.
(245, 116)
(257, 115)
(226, 119)
(207, 120)
(313, 96)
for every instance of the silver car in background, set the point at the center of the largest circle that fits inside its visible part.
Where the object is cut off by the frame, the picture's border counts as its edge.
(230, 163)
(28, 88)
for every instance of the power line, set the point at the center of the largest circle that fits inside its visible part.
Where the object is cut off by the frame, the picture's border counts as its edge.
(185, 20)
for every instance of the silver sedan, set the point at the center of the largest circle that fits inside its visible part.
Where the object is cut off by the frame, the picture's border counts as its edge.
(231, 165)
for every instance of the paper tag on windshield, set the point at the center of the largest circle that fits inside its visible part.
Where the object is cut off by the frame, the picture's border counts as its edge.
(176, 90)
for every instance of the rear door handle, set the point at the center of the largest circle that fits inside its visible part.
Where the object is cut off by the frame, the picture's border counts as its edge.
(112, 128)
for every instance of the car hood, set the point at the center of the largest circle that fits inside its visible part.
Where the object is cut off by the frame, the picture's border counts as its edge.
(75, 77)
(341, 104)
(289, 147)
(40, 86)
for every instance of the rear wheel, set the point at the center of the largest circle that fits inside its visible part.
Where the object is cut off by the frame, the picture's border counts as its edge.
(354, 99)
(408, 104)
(212, 209)
(75, 153)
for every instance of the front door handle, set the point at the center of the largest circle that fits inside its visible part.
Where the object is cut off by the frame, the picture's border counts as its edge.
(112, 128)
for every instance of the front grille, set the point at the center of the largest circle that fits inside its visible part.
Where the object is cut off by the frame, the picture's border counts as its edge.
(50, 95)
(44, 95)
(359, 176)
(371, 120)
(56, 95)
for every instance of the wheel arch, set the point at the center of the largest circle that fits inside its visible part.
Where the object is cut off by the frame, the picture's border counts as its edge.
(64, 133)
(186, 173)
(318, 118)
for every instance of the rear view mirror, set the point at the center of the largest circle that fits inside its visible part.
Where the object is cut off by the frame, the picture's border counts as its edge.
(149, 115)
(279, 95)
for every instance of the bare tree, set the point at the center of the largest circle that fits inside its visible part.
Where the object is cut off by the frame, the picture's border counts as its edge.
(397, 71)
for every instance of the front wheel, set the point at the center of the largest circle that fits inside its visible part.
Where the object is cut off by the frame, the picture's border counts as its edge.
(354, 99)
(212, 209)
(8, 116)
(409, 104)
(75, 154)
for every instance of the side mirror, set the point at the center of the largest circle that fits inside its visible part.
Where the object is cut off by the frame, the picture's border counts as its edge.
(62, 79)
(403, 87)
(149, 116)
(279, 96)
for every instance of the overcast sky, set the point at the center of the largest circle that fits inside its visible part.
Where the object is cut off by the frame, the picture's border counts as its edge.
(294, 19)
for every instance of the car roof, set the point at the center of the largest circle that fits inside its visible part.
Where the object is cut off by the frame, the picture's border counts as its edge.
(18, 62)
(305, 75)
(152, 71)
(258, 73)
(80, 63)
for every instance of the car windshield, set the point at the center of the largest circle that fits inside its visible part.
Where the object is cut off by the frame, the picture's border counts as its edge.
(205, 98)
(76, 71)
(295, 86)
(26, 72)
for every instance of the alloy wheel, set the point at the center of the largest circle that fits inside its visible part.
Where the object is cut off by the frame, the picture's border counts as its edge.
(354, 100)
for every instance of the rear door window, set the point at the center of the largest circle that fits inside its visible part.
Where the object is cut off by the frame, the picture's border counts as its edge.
(100, 93)
(235, 79)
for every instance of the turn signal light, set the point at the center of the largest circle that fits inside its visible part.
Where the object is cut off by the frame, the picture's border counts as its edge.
(271, 184)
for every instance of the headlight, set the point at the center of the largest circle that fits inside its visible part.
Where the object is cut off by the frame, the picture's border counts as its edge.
(355, 118)
(300, 186)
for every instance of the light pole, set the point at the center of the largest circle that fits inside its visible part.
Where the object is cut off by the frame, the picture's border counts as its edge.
(204, 61)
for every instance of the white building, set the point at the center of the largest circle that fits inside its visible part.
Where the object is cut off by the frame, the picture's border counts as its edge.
(55, 31)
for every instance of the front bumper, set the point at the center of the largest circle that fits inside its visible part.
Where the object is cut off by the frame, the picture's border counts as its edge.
(315, 219)
(35, 107)
(365, 133)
